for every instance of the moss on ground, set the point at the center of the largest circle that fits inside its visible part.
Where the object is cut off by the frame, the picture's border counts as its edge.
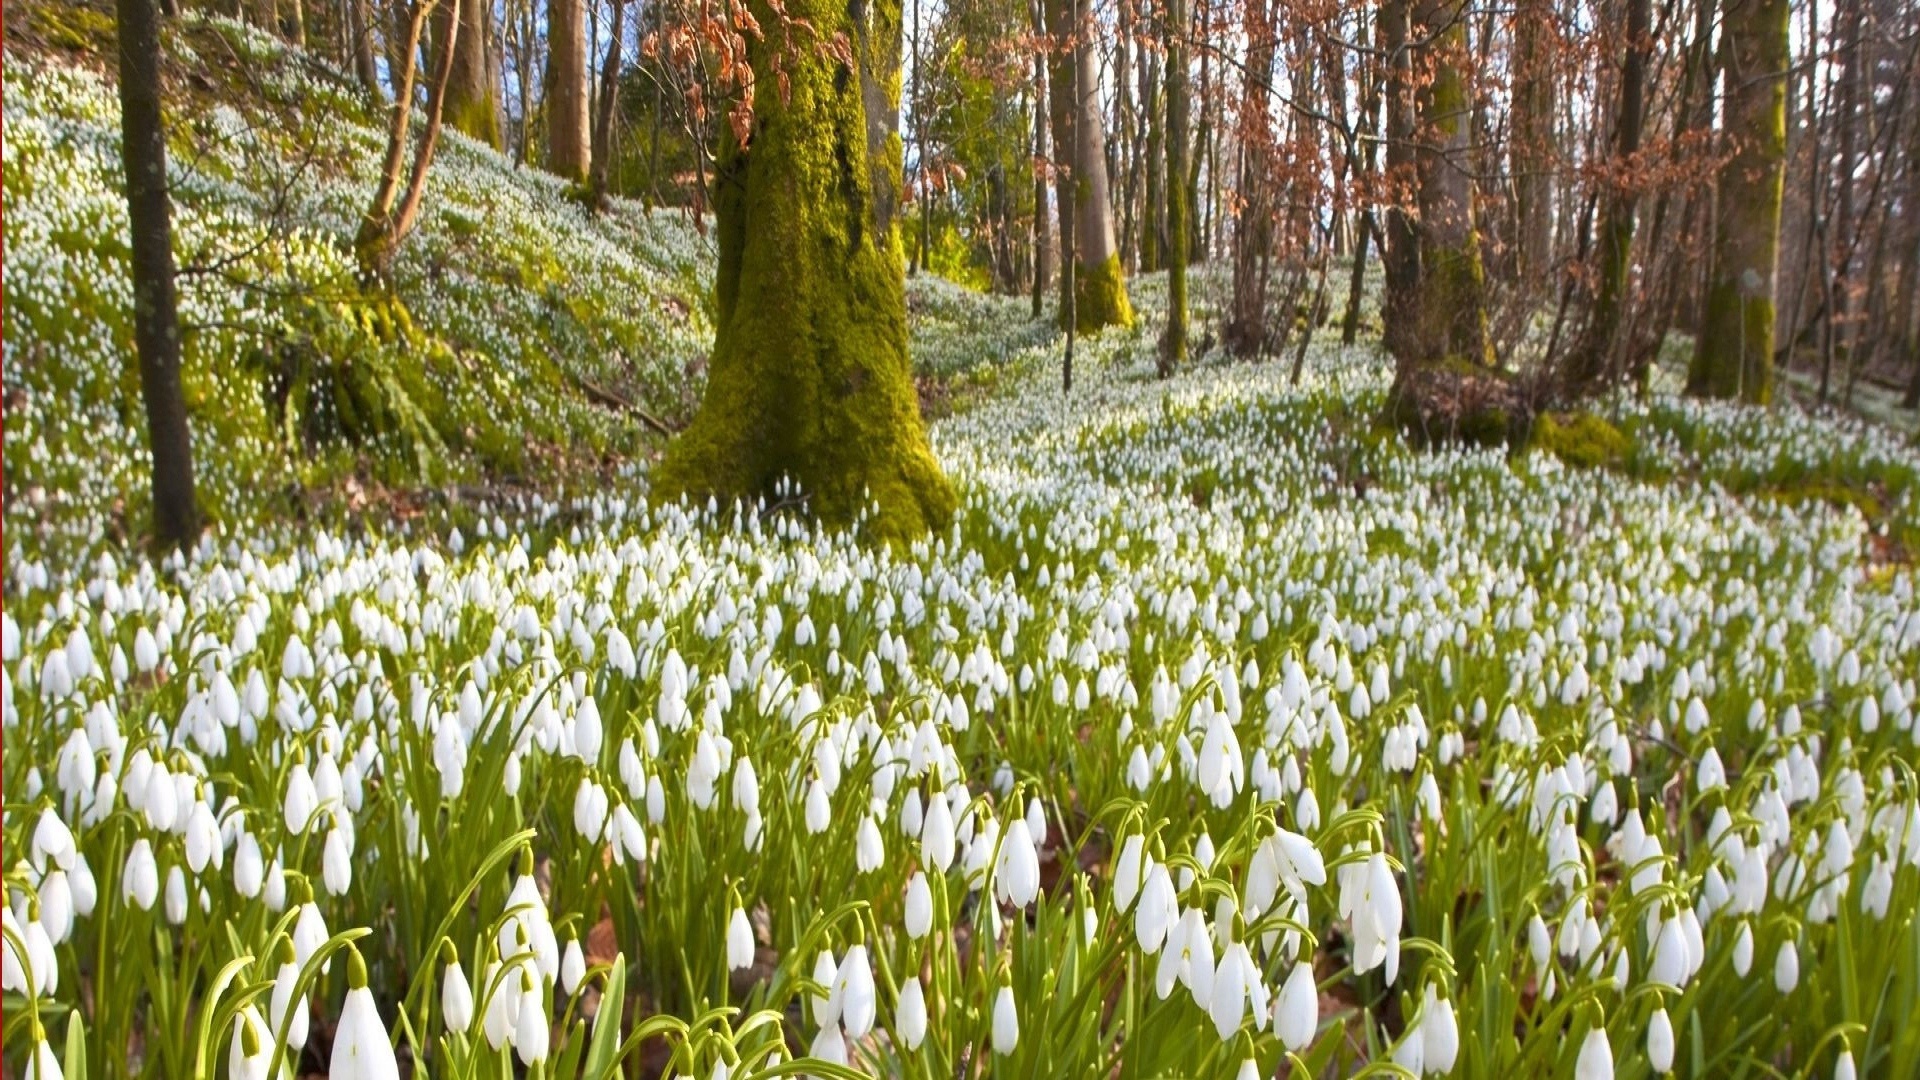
(1583, 440)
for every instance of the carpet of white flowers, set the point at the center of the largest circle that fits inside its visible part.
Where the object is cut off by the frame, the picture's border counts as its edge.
(1219, 735)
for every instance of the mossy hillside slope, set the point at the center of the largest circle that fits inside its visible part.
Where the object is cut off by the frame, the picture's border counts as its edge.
(521, 334)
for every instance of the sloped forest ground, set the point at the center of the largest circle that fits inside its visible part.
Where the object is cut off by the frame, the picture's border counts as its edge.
(1219, 724)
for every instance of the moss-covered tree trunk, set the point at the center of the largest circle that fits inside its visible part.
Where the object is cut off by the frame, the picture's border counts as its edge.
(1173, 339)
(1733, 357)
(569, 139)
(472, 105)
(1100, 284)
(1453, 308)
(810, 378)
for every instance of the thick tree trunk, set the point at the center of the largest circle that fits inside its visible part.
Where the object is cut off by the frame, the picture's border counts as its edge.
(1100, 283)
(1245, 334)
(1595, 359)
(569, 141)
(1535, 65)
(472, 105)
(1734, 354)
(1173, 339)
(1453, 306)
(156, 318)
(1401, 250)
(809, 378)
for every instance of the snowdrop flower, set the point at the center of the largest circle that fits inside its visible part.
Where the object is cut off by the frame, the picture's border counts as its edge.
(52, 841)
(1232, 983)
(853, 986)
(910, 1016)
(1130, 871)
(1187, 958)
(937, 840)
(362, 1049)
(176, 896)
(829, 1045)
(300, 800)
(531, 1033)
(573, 967)
(819, 812)
(1660, 1041)
(1370, 901)
(1158, 908)
(42, 1063)
(337, 863)
(1596, 1056)
(919, 906)
(1006, 1022)
(140, 880)
(869, 851)
(283, 1009)
(1786, 967)
(1016, 876)
(1440, 1029)
(1296, 1012)
(249, 872)
(1843, 1065)
(250, 1055)
(826, 1006)
(456, 996)
(1743, 951)
(739, 941)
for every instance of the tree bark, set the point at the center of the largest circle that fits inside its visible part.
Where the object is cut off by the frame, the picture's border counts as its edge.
(1734, 354)
(359, 30)
(1173, 339)
(1595, 358)
(569, 140)
(156, 318)
(1453, 308)
(383, 227)
(472, 102)
(809, 378)
(608, 104)
(1100, 283)
(1401, 305)
(1536, 37)
(1245, 334)
(1042, 238)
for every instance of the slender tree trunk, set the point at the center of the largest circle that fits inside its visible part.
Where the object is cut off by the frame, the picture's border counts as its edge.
(608, 103)
(383, 228)
(1734, 354)
(1369, 223)
(1042, 240)
(472, 103)
(810, 379)
(1153, 227)
(359, 26)
(1594, 360)
(1130, 150)
(1173, 340)
(156, 318)
(569, 139)
(1837, 263)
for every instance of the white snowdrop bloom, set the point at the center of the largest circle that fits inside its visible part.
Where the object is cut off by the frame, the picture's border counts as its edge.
(869, 850)
(1017, 872)
(590, 811)
(42, 1062)
(1843, 1068)
(284, 1010)
(499, 1025)
(588, 733)
(1130, 871)
(937, 838)
(1440, 1031)
(1370, 901)
(140, 878)
(1660, 1041)
(1786, 967)
(739, 941)
(1187, 959)
(1743, 950)
(1006, 1022)
(250, 1054)
(1158, 909)
(829, 1045)
(819, 813)
(910, 1015)
(1296, 1012)
(573, 966)
(309, 932)
(337, 862)
(1595, 1061)
(52, 841)
(532, 1033)
(1710, 774)
(456, 998)
(918, 909)
(1672, 961)
(300, 801)
(854, 988)
(1233, 979)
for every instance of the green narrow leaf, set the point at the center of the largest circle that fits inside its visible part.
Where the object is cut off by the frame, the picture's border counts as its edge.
(601, 1051)
(75, 1061)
